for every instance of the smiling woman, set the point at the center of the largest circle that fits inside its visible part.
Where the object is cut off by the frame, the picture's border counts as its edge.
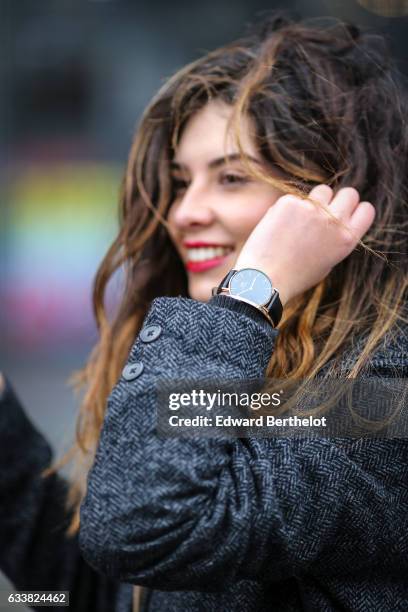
(216, 202)
(254, 174)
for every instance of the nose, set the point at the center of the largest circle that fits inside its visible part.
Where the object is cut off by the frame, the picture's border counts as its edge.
(194, 207)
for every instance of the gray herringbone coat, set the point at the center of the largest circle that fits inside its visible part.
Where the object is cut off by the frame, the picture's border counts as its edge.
(242, 525)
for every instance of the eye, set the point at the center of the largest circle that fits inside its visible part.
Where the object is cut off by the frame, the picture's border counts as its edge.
(233, 179)
(179, 185)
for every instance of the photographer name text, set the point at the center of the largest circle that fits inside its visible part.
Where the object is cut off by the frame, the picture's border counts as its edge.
(259, 421)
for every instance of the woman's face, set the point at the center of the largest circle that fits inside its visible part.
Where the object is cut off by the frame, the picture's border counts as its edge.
(217, 204)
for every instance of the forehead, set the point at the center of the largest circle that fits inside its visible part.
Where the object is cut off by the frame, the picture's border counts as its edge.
(205, 134)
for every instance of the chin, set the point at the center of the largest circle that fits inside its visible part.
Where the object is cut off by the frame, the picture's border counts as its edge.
(201, 291)
(200, 295)
(200, 288)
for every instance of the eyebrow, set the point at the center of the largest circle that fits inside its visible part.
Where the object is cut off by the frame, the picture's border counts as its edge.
(219, 161)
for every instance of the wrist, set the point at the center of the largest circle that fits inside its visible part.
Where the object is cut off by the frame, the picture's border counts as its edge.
(254, 287)
(277, 277)
(283, 291)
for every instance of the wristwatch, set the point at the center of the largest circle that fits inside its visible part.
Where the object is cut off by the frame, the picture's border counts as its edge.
(253, 287)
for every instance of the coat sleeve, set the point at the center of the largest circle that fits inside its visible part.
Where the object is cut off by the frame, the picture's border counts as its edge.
(199, 513)
(35, 553)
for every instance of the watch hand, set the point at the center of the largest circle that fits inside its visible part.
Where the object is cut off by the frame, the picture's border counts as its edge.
(241, 292)
(249, 288)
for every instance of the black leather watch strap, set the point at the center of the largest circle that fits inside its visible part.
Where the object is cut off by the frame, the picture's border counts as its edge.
(275, 308)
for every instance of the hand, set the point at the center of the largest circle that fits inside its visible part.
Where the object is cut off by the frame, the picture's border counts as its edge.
(248, 288)
(296, 243)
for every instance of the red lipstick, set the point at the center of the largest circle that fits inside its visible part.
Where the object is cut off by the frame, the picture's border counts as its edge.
(202, 266)
(200, 243)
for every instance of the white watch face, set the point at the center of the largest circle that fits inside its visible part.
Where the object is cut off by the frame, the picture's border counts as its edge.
(252, 285)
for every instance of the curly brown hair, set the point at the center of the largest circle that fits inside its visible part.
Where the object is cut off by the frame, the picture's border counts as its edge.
(329, 107)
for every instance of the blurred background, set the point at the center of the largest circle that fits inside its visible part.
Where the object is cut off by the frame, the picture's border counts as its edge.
(75, 77)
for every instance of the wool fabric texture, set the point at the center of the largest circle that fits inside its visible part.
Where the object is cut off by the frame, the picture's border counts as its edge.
(209, 524)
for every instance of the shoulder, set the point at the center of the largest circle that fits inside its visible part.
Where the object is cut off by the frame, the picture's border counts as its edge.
(388, 358)
(391, 357)
(392, 351)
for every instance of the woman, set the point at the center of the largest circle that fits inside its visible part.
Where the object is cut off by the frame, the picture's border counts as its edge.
(226, 155)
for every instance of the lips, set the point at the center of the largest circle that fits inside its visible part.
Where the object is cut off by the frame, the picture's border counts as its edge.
(200, 243)
(202, 266)
(202, 255)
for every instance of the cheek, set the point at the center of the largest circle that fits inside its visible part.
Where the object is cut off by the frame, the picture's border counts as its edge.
(169, 216)
(246, 217)
(171, 226)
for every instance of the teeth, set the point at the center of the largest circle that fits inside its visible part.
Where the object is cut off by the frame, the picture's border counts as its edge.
(204, 253)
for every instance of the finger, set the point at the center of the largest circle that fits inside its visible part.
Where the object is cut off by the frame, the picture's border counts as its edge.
(345, 202)
(322, 194)
(362, 218)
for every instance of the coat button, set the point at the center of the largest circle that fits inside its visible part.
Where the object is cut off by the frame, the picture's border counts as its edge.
(132, 370)
(150, 333)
